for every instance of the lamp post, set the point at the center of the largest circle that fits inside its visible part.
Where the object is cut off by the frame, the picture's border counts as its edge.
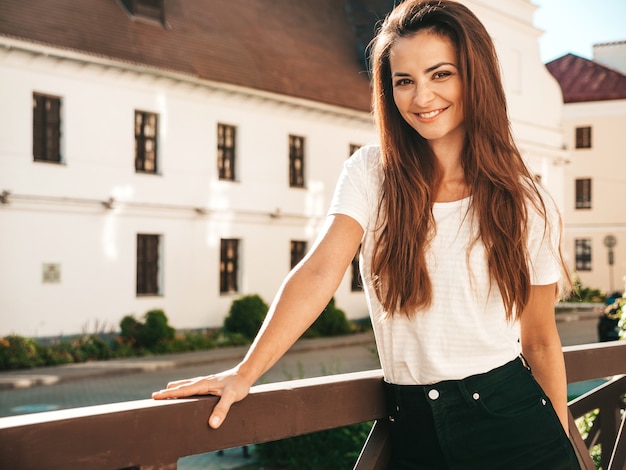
(610, 241)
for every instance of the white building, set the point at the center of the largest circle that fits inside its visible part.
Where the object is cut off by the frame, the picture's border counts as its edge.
(167, 154)
(594, 123)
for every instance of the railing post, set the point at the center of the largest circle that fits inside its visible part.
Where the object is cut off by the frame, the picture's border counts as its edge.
(619, 451)
(376, 450)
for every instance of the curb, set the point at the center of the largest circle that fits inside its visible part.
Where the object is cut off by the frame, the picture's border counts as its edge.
(21, 379)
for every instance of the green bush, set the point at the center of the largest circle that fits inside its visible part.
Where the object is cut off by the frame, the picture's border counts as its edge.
(17, 352)
(580, 293)
(153, 334)
(246, 316)
(332, 449)
(332, 322)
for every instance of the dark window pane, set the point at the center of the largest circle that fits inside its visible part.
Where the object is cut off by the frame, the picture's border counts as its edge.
(583, 254)
(357, 283)
(229, 265)
(583, 193)
(146, 133)
(296, 161)
(226, 152)
(298, 250)
(148, 264)
(46, 128)
(583, 137)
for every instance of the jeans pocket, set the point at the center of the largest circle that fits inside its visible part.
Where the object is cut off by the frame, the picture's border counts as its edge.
(519, 396)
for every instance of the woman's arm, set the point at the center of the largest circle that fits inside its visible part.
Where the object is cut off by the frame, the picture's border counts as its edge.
(301, 298)
(542, 348)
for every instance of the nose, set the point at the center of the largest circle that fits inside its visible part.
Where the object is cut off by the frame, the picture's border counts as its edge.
(423, 95)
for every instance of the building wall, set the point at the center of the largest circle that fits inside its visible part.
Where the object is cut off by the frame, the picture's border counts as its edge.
(55, 213)
(533, 96)
(61, 214)
(605, 164)
(611, 54)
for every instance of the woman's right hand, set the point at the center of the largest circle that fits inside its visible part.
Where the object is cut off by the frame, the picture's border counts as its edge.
(229, 385)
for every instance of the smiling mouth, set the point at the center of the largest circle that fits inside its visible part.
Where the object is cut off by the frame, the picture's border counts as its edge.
(431, 114)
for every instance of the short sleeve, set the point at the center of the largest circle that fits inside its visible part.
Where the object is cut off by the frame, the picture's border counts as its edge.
(544, 239)
(357, 186)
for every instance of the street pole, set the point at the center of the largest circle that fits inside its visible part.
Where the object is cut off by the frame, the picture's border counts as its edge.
(610, 241)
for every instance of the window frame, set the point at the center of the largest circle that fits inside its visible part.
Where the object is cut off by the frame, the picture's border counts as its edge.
(229, 281)
(583, 137)
(353, 148)
(141, 140)
(297, 251)
(297, 161)
(583, 251)
(356, 283)
(583, 193)
(226, 154)
(46, 128)
(148, 265)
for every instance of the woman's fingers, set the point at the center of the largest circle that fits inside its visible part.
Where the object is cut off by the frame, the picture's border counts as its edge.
(221, 409)
(187, 388)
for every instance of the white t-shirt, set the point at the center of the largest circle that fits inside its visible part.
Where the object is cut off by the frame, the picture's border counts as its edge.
(465, 330)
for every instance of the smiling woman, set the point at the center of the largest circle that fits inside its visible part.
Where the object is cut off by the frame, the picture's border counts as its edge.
(454, 231)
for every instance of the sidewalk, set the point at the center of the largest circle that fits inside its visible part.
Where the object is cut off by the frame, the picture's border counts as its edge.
(56, 374)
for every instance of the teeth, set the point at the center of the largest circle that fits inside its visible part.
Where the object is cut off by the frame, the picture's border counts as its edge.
(430, 114)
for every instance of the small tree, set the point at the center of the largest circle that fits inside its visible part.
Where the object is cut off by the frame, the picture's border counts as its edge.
(245, 316)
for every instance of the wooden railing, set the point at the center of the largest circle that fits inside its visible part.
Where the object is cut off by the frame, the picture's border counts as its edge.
(149, 434)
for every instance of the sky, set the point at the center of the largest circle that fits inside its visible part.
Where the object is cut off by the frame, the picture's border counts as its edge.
(575, 25)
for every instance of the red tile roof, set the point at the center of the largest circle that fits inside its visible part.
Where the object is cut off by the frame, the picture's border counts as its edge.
(307, 48)
(583, 80)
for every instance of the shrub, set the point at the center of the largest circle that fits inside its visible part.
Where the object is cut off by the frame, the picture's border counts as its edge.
(152, 335)
(17, 352)
(245, 316)
(580, 293)
(334, 448)
(332, 322)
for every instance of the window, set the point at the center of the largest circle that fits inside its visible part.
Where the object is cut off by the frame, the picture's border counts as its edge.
(153, 10)
(583, 254)
(148, 254)
(296, 161)
(229, 266)
(583, 193)
(226, 152)
(46, 128)
(298, 250)
(146, 142)
(354, 148)
(583, 137)
(357, 283)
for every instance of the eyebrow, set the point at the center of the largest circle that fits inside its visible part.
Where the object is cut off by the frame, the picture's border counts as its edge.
(428, 70)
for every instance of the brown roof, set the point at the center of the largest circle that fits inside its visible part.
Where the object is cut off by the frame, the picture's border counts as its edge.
(311, 49)
(583, 80)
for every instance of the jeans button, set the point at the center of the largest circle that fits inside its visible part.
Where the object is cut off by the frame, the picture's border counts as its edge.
(433, 394)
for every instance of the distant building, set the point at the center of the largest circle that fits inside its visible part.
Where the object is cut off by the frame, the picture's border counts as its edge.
(594, 124)
(178, 154)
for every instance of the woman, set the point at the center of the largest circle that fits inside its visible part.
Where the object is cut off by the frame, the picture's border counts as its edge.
(460, 261)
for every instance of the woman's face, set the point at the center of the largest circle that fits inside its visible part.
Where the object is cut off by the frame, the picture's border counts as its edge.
(427, 87)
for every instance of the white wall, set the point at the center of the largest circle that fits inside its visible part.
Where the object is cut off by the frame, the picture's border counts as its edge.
(55, 212)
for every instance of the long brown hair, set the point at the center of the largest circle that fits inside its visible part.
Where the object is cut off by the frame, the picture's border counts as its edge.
(498, 179)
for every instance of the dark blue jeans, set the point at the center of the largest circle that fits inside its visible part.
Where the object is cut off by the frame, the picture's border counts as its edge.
(498, 420)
